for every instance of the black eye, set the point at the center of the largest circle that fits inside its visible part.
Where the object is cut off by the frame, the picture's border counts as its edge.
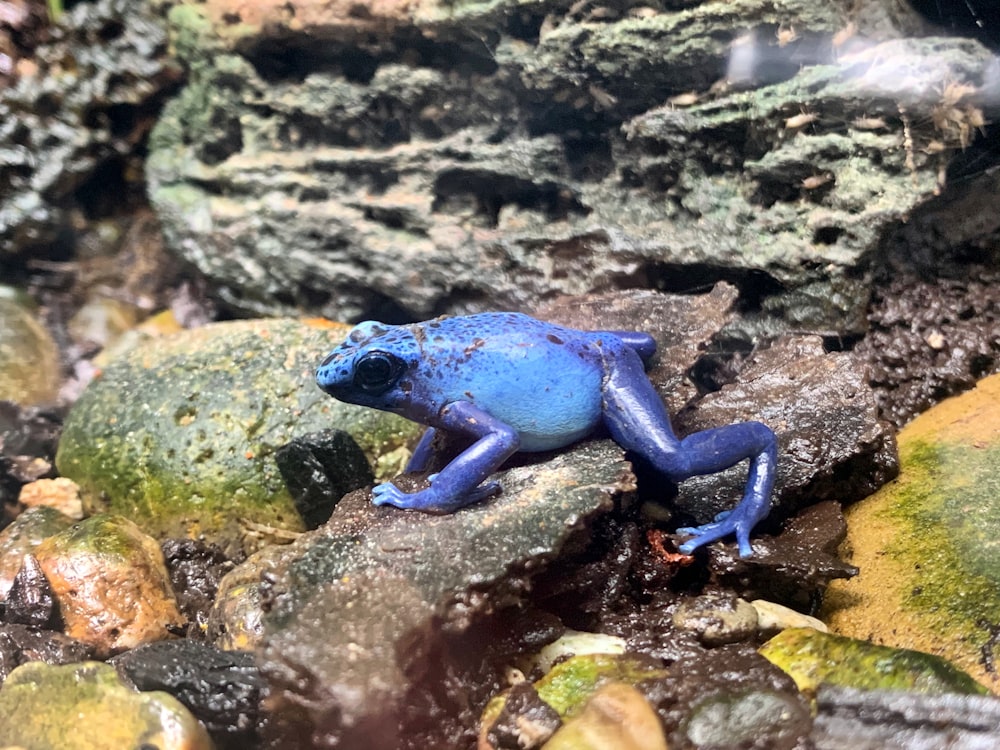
(376, 372)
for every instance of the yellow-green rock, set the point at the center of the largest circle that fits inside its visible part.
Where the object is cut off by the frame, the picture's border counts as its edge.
(179, 434)
(569, 685)
(813, 658)
(21, 537)
(928, 543)
(85, 706)
(29, 360)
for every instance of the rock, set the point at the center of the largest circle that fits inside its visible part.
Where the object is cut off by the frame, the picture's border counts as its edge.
(30, 601)
(716, 618)
(926, 544)
(813, 658)
(196, 570)
(576, 643)
(222, 689)
(730, 696)
(616, 717)
(192, 452)
(29, 361)
(111, 585)
(831, 442)
(20, 644)
(524, 722)
(22, 537)
(68, 127)
(773, 618)
(61, 494)
(84, 706)
(509, 153)
(358, 607)
(568, 688)
(877, 719)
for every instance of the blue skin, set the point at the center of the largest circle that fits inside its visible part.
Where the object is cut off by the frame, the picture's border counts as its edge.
(509, 382)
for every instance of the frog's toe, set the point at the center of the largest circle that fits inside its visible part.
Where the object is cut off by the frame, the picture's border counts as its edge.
(388, 494)
(483, 491)
(714, 531)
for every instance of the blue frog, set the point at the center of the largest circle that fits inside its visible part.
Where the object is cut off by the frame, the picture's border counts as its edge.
(509, 382)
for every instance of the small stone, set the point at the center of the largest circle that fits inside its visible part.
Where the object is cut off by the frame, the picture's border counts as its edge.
(26, 532)
(20, 644)
(111, 583)
(222, 689)
(60, 493)
(773, 617)
(525, 722)
(85, 706)
(30, 601)
(616, 717)
(574, 642)
(716, 618)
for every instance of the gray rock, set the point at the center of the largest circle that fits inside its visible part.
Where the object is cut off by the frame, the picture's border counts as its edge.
(489, 155)
(357, 604)
(69, 129)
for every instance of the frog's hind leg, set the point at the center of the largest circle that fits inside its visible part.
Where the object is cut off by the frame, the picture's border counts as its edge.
(638, 421)
(641, 343)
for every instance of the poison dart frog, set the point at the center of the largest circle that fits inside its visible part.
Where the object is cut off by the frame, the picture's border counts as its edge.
(509, 382)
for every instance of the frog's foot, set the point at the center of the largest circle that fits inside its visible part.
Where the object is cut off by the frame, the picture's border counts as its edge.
(729, 522)
(431, 500)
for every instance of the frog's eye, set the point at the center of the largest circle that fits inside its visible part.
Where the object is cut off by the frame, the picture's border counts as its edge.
(376, 372)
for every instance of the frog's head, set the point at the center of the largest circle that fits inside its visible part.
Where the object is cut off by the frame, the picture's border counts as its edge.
(369, 367)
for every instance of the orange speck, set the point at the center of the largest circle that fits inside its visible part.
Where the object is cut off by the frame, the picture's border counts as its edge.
(248, 455)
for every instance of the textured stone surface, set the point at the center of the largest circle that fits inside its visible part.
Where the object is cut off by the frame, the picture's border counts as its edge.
(420, 157)
(191, 451)
(69, 127)
(358, 604)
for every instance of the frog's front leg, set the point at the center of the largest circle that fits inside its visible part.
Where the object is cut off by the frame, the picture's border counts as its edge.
(458, 483)
(638, 421)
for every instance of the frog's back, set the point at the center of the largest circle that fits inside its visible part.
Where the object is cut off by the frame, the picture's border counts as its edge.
(542, 379)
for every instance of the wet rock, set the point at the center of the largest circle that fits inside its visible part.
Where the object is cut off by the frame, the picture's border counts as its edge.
(616, 717)
(196, 569)
(191, 452)
(20, 644)
(876, 719)
(682, 324)
(61, 494)
(29, 362)
(111, 584)
(69, 125)
(222, 689)
(731, 697)
(813, 658)
(576, 643)
(84, 706)
(716, 618)
(926, 544)
(566, 689)
(319, 469)
(236, 619)
(358, 606)
(22, 537)
(796, 566)
(404, 137)
(30, 601)
(832, 445)
(525, 722)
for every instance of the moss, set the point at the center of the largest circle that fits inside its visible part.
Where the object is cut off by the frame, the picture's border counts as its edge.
(813, 658)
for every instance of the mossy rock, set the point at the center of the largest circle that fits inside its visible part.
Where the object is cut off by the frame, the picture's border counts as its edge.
(926, 543)
(179, 435)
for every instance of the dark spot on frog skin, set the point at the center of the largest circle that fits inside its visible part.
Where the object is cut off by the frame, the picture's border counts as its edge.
(554, 339)
(476, 344)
